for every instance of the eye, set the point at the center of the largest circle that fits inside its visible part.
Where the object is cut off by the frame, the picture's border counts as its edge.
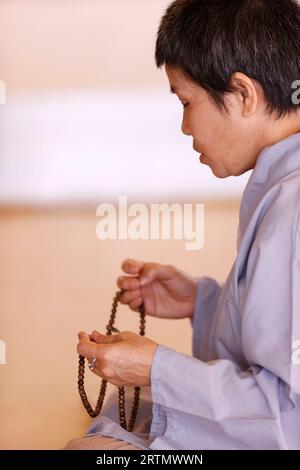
(185, 105)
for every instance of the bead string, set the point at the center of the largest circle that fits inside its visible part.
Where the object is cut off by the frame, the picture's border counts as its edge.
(81, 368)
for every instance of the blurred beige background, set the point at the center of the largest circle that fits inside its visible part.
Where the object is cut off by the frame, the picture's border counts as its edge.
(92, 60)
(56, 279)
(79, 43)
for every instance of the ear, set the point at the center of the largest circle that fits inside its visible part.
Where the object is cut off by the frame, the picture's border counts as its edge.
(245, 92)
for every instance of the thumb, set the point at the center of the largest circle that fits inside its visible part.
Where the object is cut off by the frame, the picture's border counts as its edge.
(157, 272)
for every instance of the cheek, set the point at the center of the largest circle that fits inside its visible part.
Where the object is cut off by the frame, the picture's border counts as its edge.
(212, 129)
(220, 129)
(204, 116)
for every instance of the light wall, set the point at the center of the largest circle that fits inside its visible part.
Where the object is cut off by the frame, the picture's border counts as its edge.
(88, 116)
(46, 44)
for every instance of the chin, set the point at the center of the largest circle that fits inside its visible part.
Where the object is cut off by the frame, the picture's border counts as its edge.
(220, 173)
(217, 170)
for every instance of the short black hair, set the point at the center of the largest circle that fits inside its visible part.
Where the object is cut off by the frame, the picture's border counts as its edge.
(209, 40)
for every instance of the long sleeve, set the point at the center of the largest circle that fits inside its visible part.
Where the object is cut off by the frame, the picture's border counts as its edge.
(207, 297)
(225, 406)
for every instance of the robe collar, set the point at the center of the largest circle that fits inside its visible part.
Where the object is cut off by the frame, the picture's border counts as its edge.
(273, 164)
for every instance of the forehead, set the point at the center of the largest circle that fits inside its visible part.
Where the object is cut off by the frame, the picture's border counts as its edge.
(179, 82)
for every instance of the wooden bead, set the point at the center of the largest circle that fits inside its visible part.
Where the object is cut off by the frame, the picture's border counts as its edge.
(81, 370)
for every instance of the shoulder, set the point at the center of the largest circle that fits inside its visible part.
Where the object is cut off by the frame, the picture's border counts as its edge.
(282, 206)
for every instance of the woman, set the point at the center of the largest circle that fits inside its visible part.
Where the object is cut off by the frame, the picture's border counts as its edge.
(241, 388)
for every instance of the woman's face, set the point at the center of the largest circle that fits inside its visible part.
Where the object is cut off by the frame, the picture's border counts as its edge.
(225, 140)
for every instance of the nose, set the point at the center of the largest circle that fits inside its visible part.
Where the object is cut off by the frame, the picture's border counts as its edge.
(185, 127)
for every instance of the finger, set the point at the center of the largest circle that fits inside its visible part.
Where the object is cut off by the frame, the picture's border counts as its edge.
(156, 272)
(131, 266)
(135, 304)
(129, 296)
(99, 338)
(87, 349)
(82, 335)
(127, 283)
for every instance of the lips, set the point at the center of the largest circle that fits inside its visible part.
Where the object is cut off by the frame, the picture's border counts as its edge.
(195, 147)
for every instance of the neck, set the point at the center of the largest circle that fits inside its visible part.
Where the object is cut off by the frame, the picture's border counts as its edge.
(281, 128)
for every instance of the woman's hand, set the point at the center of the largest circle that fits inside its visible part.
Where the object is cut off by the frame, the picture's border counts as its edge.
(124, 359)
(165, 291)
